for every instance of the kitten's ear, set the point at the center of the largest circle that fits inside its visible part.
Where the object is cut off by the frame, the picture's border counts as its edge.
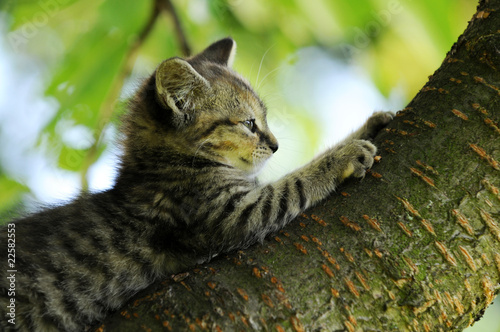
(221, 52)
(178, 85)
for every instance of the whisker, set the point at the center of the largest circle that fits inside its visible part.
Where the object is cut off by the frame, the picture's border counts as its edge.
(260, 65)
(271, 72)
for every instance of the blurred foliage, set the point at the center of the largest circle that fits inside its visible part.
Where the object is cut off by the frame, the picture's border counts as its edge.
(10, 196)
(86, 44)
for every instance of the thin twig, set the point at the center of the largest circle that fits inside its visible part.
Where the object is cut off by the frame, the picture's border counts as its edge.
(168, 7)
(107, 107)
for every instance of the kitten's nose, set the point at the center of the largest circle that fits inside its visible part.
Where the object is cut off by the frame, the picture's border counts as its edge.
(272, 142)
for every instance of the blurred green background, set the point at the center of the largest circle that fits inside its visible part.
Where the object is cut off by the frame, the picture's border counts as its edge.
(67, 68)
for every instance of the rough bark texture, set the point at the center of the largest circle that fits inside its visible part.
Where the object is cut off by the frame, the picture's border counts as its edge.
(415, 246)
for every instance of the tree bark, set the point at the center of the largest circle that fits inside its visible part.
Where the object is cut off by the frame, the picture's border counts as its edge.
(415, 246)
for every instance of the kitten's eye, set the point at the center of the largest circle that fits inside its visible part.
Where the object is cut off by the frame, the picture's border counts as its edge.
(250, 124)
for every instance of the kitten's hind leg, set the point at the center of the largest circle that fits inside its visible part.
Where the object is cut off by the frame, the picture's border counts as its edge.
(376, 122)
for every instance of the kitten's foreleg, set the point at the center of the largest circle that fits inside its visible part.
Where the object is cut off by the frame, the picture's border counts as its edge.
(326, 172)
(371, 127)
(268, 208)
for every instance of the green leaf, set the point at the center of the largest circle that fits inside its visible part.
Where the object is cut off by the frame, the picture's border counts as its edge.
(11, 193)
(83, 78)
(71, 159)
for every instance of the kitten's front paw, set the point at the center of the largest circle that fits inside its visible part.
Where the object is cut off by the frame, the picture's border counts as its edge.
(359, 155)
(375, 123)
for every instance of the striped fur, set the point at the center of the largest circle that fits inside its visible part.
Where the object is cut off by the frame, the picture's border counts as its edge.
(193, 140)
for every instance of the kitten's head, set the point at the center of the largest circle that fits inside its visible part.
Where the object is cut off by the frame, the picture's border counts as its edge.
(205, 109)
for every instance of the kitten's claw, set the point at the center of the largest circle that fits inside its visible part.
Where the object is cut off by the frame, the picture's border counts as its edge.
(359, 155)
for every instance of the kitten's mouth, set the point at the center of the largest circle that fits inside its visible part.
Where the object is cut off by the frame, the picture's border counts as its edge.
(245, 160)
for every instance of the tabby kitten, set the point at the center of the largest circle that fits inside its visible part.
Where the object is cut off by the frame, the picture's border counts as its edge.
(194, 137)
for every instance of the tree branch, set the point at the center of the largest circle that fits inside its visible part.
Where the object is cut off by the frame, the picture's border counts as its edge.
(107, 107)
(414, 247)
(168, 7)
